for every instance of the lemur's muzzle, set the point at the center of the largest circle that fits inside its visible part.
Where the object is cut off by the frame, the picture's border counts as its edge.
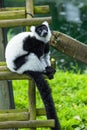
(44, 33)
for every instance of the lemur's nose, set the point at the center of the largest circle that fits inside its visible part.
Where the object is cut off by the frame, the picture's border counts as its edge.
(44, 33)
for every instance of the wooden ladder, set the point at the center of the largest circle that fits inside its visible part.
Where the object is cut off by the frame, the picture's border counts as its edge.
(13, 118)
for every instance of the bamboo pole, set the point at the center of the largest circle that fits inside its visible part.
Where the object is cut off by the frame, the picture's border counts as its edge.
(21, 116)
(29, 8)
(32, 99)
(42, 9)
(69, 46)
(13, 111)
(11, 9)
(31, 88)
(23, 22)
(29, 11)
(6, 74)
(39, 111)
(4, 92)
(14, 14)
(12, 76)
(19, 12)
(27, 124)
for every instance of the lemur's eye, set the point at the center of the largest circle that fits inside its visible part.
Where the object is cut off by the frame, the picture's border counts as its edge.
(45, 28)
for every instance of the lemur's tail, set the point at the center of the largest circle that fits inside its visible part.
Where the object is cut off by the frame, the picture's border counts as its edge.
(46, 96)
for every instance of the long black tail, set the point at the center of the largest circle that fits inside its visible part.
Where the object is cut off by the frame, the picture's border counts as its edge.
(46, 96)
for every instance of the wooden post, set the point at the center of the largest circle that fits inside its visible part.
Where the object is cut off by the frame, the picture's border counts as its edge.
(29, 10)
(32, 100)
(31, 92)
(4, 92)
(27, 124)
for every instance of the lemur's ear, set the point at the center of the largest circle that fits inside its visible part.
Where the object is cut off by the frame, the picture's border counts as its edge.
(32, 28)
(45, 23)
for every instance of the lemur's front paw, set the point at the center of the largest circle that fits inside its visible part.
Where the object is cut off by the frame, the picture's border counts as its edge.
(50, 72)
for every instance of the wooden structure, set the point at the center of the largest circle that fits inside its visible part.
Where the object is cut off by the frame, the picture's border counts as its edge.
(61, 42)
(10, 17)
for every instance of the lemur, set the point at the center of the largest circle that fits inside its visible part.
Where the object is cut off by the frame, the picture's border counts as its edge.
(28, 53)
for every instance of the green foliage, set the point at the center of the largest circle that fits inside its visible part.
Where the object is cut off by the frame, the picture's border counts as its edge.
(70, 96)
(20, 93)
(77, 30)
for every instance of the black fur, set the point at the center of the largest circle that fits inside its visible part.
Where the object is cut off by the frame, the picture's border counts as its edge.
(19, 61)
(31, 44)
(45, 93)
(50, 72)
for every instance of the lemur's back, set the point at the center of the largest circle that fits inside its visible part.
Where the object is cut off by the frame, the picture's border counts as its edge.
(15, 48)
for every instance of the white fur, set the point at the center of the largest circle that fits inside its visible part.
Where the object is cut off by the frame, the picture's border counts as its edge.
(14, 49)
(32, 64)
(45, 60)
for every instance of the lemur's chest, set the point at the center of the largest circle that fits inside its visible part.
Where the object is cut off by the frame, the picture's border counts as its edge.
(35, 46)
(38, 49)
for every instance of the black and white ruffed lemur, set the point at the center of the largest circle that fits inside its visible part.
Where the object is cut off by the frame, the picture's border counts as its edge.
(28, 53)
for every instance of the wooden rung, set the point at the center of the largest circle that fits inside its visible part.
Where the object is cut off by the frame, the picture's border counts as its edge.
(23, 22)
(6, 74)
(27, 124)
(13, 111)
(19, 115)
(14, 14)
(44, 9)
(19, 12)
(12, 76)
(39, 111)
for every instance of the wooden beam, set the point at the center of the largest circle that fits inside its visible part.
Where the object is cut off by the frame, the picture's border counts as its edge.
(14, 14)
(12, 76)
(69, 46)
(39, 111)
(23, 22)
(21, 116)
(4, 91)
(31, 86)
(27, 124)
(43, 9)
(6, 74)
(19, 12)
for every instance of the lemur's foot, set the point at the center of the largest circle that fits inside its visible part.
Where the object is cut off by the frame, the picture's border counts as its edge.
(50, 72)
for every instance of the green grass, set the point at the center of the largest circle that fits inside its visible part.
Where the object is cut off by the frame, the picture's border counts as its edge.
(70, 96)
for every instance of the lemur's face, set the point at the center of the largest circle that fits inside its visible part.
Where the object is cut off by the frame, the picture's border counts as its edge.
(42, 30)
